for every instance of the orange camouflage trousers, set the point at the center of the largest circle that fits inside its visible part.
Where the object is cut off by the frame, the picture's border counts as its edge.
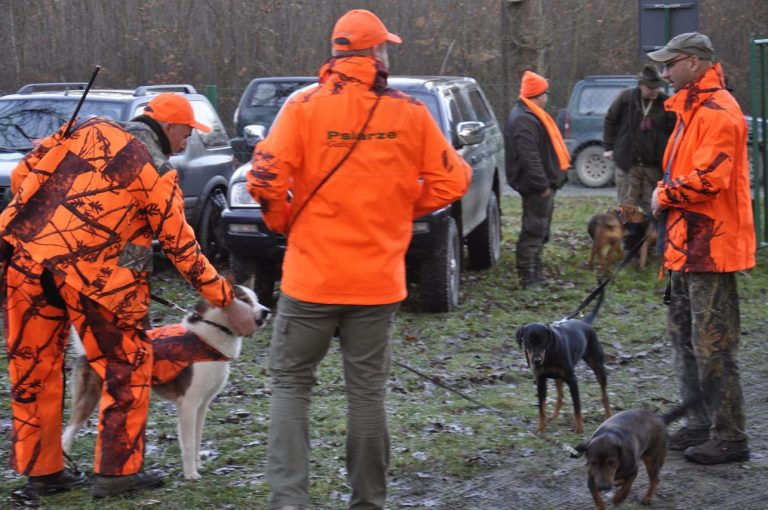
(36, 331)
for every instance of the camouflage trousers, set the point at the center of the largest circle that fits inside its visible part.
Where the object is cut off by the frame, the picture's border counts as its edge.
(642, 181)
(537, 217)
(704, 327)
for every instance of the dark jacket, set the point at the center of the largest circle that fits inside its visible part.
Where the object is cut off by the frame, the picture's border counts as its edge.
(532, 164)
(623, 135)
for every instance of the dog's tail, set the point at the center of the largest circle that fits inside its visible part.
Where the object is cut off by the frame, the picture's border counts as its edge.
(74, 340)
(591, 317)
(677, 412)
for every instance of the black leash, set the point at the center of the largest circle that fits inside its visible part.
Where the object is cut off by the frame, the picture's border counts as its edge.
(197, 316)
(559, 444)
(601, 286)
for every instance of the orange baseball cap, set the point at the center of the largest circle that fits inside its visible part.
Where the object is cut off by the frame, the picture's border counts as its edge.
(173, 108)
(359, 29)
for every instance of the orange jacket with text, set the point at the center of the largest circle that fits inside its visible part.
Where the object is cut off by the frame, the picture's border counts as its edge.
(347, 245)
(710, 227)
(87, 209)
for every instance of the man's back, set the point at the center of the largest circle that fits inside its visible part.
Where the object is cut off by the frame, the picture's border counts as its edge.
(348, 239)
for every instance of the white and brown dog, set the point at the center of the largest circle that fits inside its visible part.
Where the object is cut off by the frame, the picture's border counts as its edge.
(190, 367)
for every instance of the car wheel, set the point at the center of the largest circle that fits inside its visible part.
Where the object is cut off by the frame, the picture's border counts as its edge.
(592, 169)
(439, 275)
(209, 231)
(484, 243)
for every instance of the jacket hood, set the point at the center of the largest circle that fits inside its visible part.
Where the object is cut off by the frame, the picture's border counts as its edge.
(361, 69)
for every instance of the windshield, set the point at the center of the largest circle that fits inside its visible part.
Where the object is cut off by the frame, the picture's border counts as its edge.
(23, 121)
(265, 101)
(430, 101)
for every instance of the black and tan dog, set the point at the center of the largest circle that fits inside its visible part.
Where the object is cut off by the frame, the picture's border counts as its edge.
(606, 233)
(617, 447)
(553, 351)
(191, 367)
(638, 227)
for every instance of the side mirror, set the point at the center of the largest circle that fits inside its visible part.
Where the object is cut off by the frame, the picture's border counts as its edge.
(470, 133)
(254, 133)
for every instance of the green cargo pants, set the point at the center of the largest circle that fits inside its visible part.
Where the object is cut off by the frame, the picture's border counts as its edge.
(301, 337)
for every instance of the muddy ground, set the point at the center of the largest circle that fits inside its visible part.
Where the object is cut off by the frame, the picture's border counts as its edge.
(547, 478)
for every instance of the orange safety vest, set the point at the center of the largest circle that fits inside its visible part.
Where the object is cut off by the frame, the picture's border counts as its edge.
(87, 208)
(710, 227)
(348, 244)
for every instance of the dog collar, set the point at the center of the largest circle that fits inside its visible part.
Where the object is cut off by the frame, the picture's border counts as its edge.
(216, 325)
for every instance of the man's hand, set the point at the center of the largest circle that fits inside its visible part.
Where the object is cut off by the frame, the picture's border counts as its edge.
(545, 193)
(608, 155)
(655, 209)
(240, 316)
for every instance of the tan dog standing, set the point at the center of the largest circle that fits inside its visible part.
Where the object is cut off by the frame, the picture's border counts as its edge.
(606, 232)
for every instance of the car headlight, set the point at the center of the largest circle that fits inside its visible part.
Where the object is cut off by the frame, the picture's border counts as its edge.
(239, 196)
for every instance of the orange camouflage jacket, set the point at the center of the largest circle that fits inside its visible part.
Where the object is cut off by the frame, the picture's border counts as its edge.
(87, 208)
(710, 227)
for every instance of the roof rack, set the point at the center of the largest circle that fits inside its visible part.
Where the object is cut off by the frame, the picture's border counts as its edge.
(40, 87)
(146, 89)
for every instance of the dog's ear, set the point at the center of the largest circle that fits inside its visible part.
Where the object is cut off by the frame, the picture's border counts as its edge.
(519, 334)
(581, 448)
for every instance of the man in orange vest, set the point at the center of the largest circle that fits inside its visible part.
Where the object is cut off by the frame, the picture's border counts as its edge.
(81, 223)
(349, 225)
(706, 204)
(537, 160)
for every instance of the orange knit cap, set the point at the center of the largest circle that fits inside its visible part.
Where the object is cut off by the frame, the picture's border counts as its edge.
(533, 85)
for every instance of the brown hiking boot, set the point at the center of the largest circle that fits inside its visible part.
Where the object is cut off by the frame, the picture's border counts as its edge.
(64, 480)
(718, 451)
(105, 486)
(686, 437)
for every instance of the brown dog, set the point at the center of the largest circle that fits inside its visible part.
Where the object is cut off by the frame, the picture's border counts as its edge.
(619, 444)
(606, 232)
(639, 226)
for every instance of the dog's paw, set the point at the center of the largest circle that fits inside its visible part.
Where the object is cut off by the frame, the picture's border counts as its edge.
(192, 476)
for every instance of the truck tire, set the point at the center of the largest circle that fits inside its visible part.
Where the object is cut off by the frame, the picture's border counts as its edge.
(209, 231)
(484, 243)
(592, 169)
(439, 274)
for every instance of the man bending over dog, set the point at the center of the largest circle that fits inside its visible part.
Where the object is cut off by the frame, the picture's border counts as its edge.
(706, 205)
(349, 225)
(85, 210)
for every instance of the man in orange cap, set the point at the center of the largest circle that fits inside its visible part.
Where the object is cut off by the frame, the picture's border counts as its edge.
(705, 204)
(537, 160)
(81, 224)
(345, 262)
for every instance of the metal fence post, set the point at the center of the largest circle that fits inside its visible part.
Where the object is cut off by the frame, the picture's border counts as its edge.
(758, 85)
(211, 93)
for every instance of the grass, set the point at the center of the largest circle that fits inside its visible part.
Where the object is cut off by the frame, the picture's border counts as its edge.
(438, 438)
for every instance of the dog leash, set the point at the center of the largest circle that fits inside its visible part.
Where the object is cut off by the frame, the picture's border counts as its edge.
(602, 284)
(195, 315)
(556, 442)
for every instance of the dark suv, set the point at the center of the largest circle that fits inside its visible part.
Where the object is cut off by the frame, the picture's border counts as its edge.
(39, 109)
(582, 126)
(258, 106)
(434, 258)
